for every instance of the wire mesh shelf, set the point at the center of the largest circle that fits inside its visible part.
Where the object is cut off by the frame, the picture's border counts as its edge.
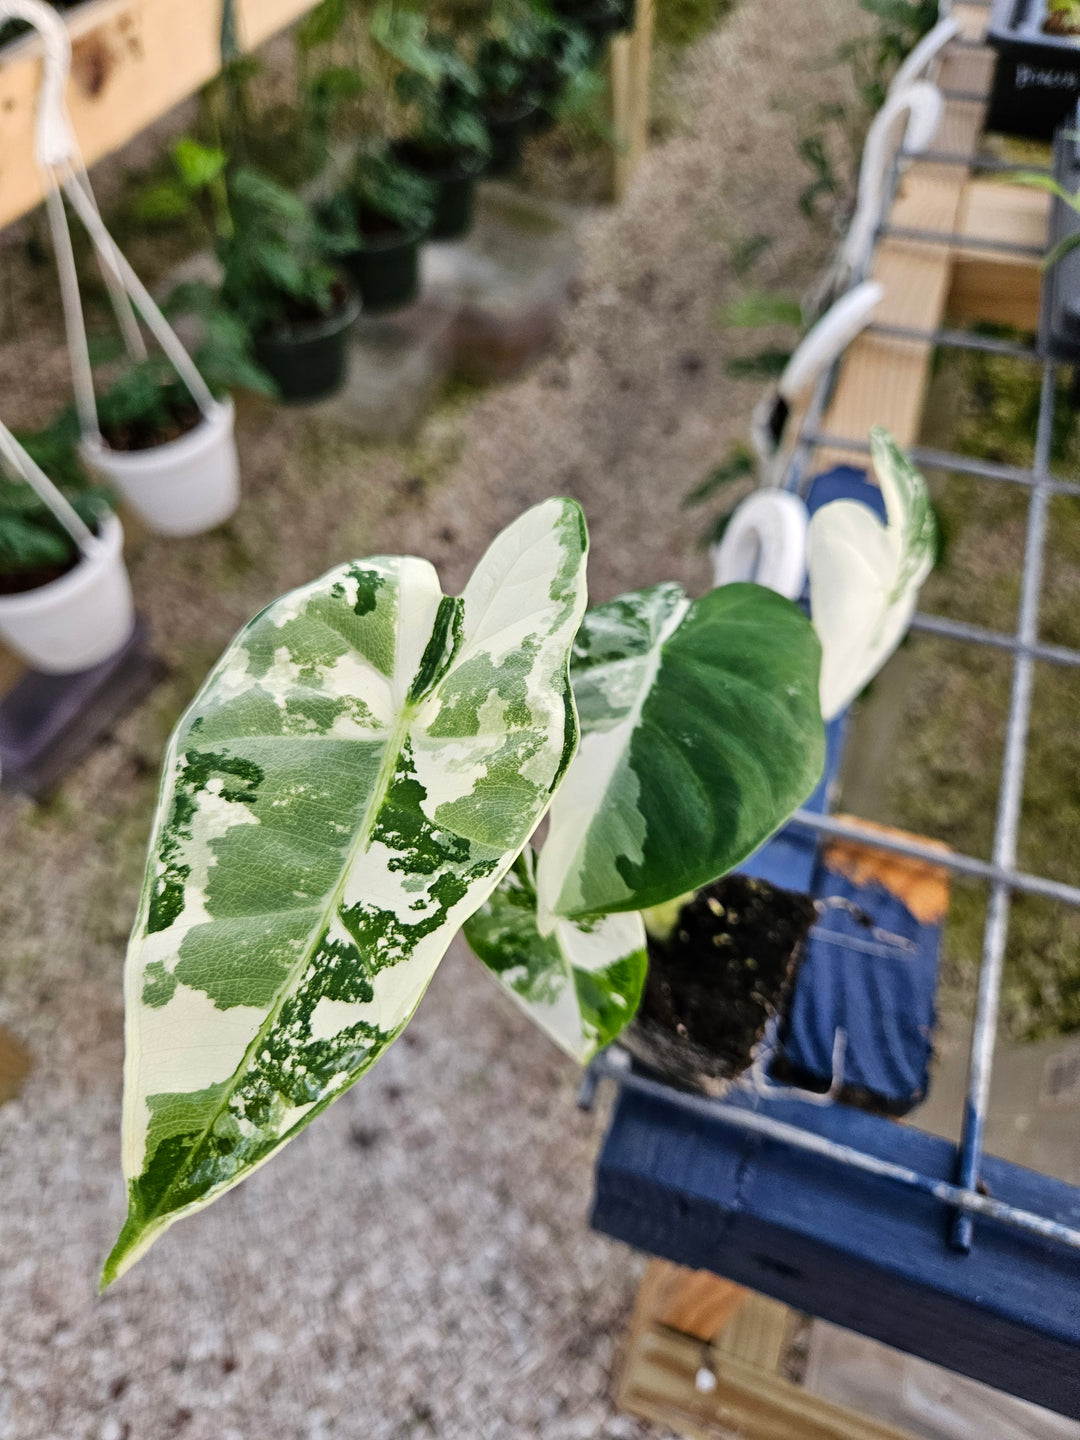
(965, 1195)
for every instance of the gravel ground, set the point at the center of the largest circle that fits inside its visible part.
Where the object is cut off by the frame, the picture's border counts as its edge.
(419, 1263)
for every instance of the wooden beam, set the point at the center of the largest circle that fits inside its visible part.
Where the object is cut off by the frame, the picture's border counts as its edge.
(132, 62)
(850, 1247)
(631, 62)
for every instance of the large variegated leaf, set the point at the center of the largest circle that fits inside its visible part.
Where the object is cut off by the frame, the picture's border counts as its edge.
(701, 734)
(582, 983)
(352, 781)
(865, 577)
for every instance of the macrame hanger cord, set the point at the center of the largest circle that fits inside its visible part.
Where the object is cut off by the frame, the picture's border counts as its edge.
(231, 48)
(21, 465)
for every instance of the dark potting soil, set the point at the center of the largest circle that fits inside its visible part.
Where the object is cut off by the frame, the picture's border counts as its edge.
(435, 163)
(711, 989)
(300, 316)
(138, 435)
(374, 226)
(20, 581)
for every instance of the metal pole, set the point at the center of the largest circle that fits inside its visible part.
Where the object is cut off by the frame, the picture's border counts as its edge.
(1007, 825)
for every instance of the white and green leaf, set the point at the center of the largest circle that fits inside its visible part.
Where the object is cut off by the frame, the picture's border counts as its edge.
(352, 781)
(581, 984)
(865, 576)
(701, 734)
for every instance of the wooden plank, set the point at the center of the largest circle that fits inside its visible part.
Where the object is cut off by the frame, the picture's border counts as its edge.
(856, 1249)
(132, 62)
(15, 1063)
(693, 1301)
(631, 62)
(757, 1332)
(749, 1400)
(883, 381)
(1002, 288)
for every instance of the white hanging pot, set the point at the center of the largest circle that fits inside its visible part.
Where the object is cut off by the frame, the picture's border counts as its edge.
(183, 487)
(80, 619)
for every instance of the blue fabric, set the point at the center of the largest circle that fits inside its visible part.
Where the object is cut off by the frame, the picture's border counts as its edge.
(846, 482)
(870, 970)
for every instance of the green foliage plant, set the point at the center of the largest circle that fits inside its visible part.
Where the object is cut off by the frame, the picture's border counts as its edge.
(361, 775)
(434, 80)
(34, 546)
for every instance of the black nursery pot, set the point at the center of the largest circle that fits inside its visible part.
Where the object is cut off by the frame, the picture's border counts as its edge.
(1037, 81)
(509, 123)
(712, 988)
(453, 175)
(307, 361)
(386, 267)
(599, 18)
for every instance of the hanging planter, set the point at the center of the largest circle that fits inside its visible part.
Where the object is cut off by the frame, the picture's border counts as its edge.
(69, 607)
(1037, 81)
(182, 487)
(79, 619)
(190, 482)
(307, 359)
(453, 175)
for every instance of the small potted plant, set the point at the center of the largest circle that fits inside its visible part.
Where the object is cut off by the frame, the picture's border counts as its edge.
(282, 277)
(281, 274)
(1062, 17)
(380, 217)
(507, 66)
(448, 145)
(1037, 79)
(65, 598)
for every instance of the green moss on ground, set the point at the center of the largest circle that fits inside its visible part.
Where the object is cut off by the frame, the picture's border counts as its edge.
(943, 775)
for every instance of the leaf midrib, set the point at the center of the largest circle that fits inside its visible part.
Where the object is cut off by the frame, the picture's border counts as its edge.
(379, 789)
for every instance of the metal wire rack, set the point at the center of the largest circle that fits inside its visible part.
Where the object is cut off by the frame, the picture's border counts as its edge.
(1001, 873)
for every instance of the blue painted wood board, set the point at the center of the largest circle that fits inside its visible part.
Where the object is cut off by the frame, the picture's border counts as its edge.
(860, 1251)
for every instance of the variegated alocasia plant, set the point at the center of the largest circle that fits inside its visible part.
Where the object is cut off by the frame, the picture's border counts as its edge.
(865, 577)
(355, 781)
(352, 781)
(701, 734)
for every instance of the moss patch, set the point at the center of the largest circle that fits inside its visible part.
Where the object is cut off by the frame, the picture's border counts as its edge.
(944, 771)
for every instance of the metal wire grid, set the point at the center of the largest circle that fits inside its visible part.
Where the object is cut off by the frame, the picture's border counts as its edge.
(1001, 872)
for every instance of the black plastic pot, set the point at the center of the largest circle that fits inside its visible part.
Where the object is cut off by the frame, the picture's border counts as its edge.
(509, 123)
(386, 269)
(1059, 317)
(599, 18)
(453, 175)
(307, 362)
(1037, 82)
